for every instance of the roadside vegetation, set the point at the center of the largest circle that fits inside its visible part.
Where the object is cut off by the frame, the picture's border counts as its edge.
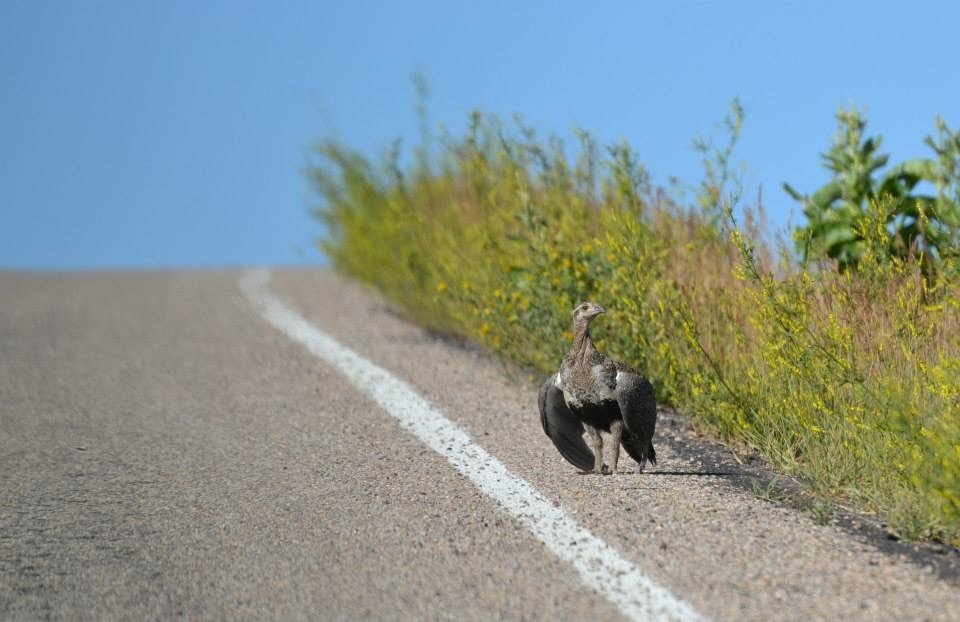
(835, 355)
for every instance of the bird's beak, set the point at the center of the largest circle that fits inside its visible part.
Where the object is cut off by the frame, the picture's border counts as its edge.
(600, 310)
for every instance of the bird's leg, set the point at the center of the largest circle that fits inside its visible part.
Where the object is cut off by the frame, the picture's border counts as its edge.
(616, 431)
(597, 442)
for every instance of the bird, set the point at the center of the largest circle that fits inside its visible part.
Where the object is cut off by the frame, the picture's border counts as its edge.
(592, 392)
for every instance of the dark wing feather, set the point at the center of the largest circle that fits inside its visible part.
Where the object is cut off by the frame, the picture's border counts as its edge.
(563, 428)
(638, 407)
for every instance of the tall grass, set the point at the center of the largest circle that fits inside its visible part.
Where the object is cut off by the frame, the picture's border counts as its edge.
(848, 379)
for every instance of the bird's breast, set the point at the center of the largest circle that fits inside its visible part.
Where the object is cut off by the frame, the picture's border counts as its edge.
(584, 385)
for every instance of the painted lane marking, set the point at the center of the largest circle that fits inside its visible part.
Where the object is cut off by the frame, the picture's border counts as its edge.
(600, 566)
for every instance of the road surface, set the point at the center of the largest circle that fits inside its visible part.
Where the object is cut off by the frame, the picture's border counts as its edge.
(168, 451)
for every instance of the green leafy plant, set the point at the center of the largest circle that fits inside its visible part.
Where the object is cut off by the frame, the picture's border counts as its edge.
(919, 224)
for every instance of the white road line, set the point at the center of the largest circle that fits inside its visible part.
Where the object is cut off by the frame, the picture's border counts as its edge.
(600, 566)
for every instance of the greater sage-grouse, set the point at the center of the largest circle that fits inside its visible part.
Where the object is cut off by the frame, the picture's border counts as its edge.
(593, 392)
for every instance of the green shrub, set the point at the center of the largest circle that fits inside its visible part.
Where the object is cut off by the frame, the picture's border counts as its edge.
(918, 224)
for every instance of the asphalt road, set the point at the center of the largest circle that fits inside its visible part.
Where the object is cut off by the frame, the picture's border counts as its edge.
(166, 453)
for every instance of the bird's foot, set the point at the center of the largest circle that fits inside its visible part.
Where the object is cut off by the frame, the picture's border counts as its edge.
(601, 470)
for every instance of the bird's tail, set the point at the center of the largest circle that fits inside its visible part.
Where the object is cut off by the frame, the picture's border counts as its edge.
(633, 444)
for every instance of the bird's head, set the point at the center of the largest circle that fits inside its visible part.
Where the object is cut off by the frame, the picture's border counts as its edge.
(585, 312)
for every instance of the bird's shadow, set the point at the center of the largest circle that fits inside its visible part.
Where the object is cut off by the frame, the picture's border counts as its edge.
(691, 473)
(670, 473)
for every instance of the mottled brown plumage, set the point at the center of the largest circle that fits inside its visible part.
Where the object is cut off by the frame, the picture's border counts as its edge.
(593, 393)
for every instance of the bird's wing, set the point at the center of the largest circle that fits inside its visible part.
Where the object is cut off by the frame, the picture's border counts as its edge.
(563, 428)
(638, 407)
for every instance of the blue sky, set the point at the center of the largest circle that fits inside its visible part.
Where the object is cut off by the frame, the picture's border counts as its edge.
(174, 134)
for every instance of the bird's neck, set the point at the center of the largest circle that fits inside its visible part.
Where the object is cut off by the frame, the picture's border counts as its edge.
(582, 344)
